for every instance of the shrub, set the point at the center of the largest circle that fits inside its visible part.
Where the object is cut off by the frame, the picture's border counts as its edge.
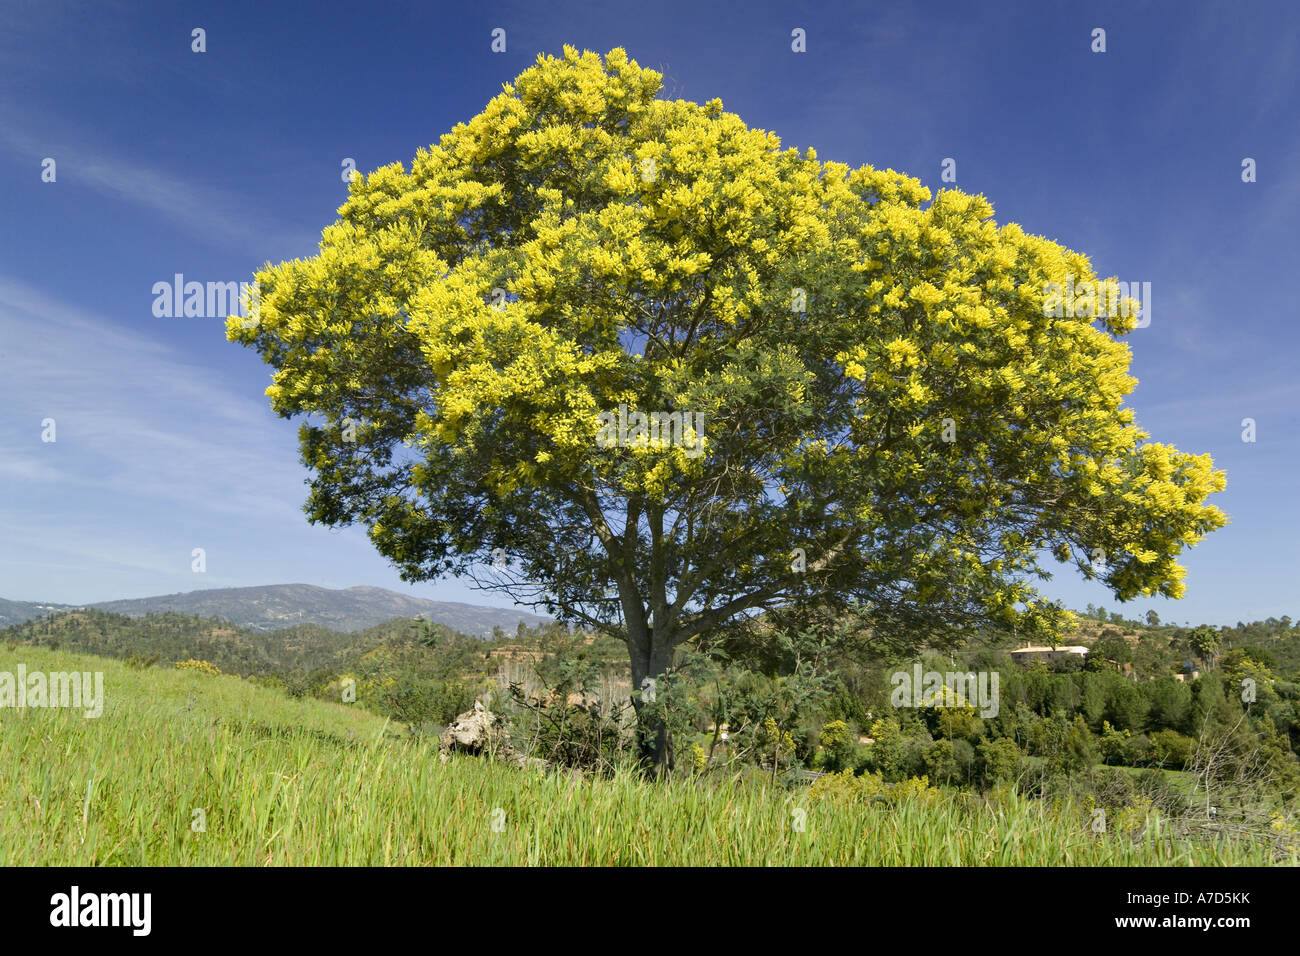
(699, 759)
(577, 736)
(1139, 751)
(885, 755)
(269, 682)
(941, 762)
(838, 749)
(914, 753)
(203, 667)
(417, 701)
(845, 787)
(1001, 760)
(913, 788)
(954, 722)
(1171, 749)
(1114, 744)
(774, 746)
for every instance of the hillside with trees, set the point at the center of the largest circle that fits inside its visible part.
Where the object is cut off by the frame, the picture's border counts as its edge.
(1169, 701)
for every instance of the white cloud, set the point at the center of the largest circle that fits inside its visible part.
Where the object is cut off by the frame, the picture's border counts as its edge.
(133, 419)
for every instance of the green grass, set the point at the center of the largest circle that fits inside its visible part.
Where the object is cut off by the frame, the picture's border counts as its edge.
(303, 782)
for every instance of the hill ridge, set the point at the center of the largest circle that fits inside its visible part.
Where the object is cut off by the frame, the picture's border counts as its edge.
(267, 607)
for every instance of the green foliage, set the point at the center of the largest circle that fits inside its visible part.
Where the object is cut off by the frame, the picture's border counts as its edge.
(418, 702)
(839, 749)
(423, 676)
(1205, 641)
(275, 774)
(169, 638)
(1067, 746)
(475, 322)
(1001, 760)
(1126, 705)
(1171, 749)
(1244, 665)
(845, 787)
(1116, 746)
(1171, 703)
(773, 746)
(1106, 650)
(941, 762)
(763, 698)
(565, 722)
(887, 752)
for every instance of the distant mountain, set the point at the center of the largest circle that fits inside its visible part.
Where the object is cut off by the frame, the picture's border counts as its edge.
(270, 607)
(15, 612)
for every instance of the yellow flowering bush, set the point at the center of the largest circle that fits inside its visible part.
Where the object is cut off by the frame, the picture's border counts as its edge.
(203, 667)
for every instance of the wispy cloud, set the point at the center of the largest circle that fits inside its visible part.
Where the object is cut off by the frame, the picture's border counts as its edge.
(178, 432)
(201, 210)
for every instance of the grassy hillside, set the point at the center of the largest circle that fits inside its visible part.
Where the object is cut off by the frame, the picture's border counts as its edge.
(418, 672)
(286, 782)
(171, 637)
(306, 649)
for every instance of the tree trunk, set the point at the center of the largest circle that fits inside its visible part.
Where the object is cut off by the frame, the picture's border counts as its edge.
(651, 659)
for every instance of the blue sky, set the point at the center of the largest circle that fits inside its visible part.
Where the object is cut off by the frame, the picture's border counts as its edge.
(209, 164)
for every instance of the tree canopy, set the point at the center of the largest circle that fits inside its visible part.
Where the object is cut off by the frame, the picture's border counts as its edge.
(891, 420)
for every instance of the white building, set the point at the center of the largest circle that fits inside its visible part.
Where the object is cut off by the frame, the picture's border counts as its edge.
(1024, 655)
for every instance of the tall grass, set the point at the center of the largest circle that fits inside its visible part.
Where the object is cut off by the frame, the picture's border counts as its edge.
(304, 782)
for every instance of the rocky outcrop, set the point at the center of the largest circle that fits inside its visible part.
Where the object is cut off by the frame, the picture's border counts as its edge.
(481, 733)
